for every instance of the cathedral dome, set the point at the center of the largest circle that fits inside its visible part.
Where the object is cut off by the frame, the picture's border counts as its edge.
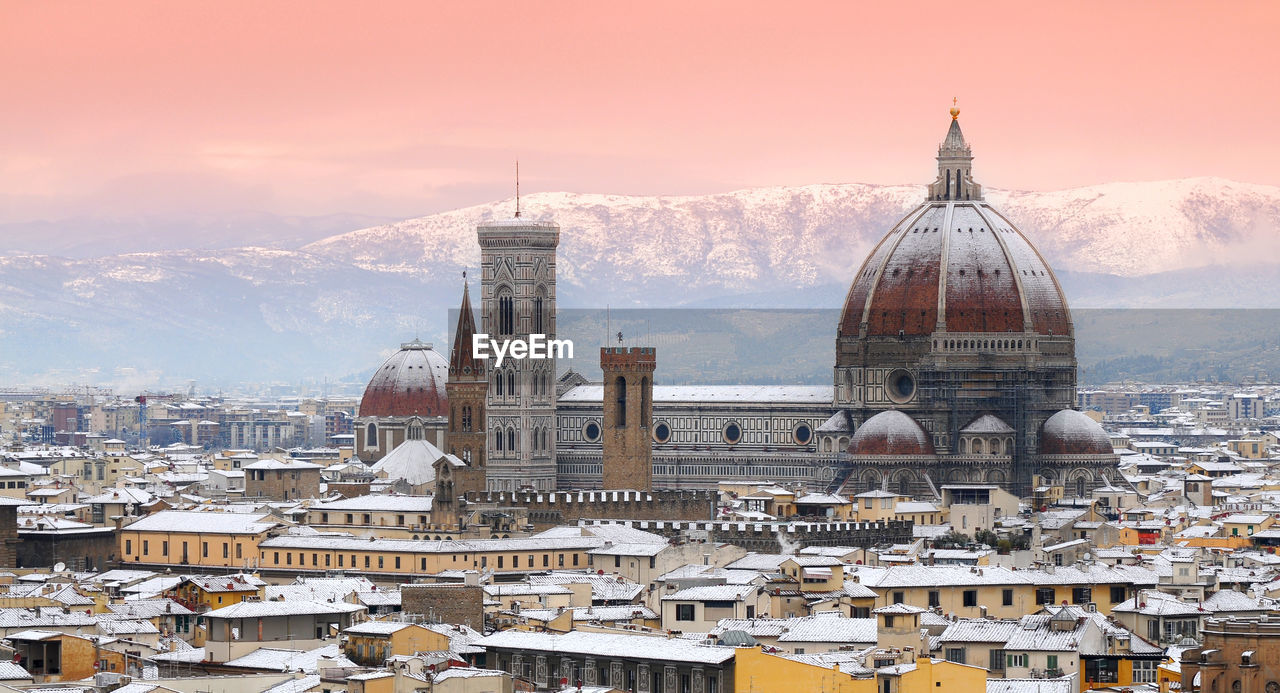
(1070, 432)
(890, 433)
(410, 383)
(954, 264)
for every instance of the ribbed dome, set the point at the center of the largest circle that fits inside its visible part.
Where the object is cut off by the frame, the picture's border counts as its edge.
(992, 279)
(410, 383)
(890, 433)
(1070, 432)
(955, 264)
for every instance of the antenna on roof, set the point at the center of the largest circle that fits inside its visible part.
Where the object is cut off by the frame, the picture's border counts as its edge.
(517, 188)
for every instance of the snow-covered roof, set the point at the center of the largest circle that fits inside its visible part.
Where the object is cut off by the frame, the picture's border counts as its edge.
(763, 394)
(377, 503)
(412, 461)
(282, 465)
(980, 630)
(286, 608)
(198, 522)
(616, 645)
(1064, 684)
(276, 659)
(832, 629)
(377, 628)
(711, 593)
(987, 423)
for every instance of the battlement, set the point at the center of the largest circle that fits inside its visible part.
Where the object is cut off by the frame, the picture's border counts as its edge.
(628, 358)
(769, 536)
(556, 507)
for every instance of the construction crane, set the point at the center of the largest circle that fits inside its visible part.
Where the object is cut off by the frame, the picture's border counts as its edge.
(144, 435)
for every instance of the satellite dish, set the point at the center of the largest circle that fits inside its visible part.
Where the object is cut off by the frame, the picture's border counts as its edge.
(59, 567)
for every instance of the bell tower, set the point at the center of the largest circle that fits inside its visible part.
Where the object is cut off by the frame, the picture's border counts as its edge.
(518, 299)
(466, 387)
(628, 417)
(465, 435)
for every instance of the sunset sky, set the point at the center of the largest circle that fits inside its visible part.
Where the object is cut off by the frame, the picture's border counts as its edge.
(407, 108)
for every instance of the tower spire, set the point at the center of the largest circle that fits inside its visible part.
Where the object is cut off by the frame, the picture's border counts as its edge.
(461, 359)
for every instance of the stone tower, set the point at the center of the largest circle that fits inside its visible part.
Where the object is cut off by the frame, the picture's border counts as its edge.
(518, 299)
(467, 387)
(628, 415)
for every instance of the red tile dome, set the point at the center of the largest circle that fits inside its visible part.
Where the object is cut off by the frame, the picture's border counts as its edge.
(954, 264)
(410, 383)
(891, 433)
(1070, 432)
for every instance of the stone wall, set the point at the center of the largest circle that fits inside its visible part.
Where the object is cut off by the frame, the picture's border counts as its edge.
(282, 484)
(445, 603)
(772, 537)
(349, 489)
(8, 536)
(82, 551)
(555, 508)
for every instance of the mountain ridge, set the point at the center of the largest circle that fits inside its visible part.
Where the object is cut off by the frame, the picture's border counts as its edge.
(336, 306)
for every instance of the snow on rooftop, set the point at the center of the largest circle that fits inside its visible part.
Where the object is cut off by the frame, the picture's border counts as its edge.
(764, 394)
(616, 645)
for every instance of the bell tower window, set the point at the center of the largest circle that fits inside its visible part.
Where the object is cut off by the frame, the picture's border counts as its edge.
(506, 313)
(621, 385)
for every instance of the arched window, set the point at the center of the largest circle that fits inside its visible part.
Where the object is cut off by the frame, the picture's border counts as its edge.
(511, 383)
(644, 401)
(497, 440)
(621, 385)
(511, 439)
(506, 312)
(497, 385)
(1080, 487)
(539, 311)
(371, 435)
(415, 432)
(466, 418)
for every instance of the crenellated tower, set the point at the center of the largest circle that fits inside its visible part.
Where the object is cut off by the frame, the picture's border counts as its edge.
(628, 417)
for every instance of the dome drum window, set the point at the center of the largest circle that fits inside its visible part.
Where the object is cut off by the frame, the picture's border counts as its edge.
(591, 432)
(732, 433)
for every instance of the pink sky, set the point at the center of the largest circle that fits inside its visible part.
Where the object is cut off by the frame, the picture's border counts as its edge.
(401, 109)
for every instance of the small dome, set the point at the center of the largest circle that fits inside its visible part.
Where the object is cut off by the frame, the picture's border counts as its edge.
(987, 423)
(410, 383)
(890, 433)
(1070, 432)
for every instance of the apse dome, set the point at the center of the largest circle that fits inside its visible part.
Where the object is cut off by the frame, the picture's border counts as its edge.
(891, 433)
(1070, 432)
(409, 383)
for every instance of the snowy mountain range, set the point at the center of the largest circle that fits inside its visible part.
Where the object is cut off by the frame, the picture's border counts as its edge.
(333, 307)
